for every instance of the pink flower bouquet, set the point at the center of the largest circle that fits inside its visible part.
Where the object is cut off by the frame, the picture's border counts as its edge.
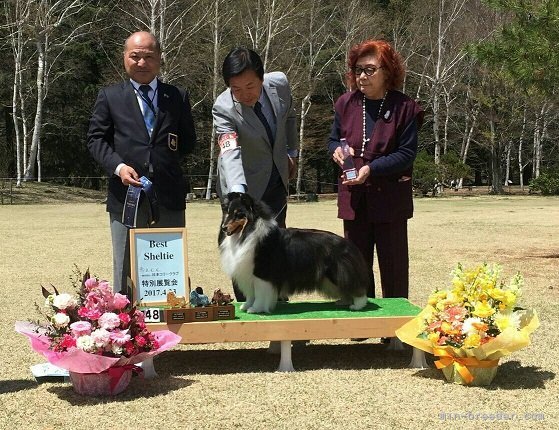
(95, 332)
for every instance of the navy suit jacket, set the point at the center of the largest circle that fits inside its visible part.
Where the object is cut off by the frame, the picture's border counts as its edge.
(117, 134)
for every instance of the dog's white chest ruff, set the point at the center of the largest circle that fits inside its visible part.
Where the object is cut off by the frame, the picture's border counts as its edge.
(237, 258)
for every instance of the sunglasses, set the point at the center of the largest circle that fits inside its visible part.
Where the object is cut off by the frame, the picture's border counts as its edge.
(369, 71)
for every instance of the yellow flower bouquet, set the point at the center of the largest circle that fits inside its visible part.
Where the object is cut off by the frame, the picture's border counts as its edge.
(470, 326)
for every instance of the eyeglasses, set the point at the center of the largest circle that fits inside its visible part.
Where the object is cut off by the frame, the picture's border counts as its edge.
(369, 71)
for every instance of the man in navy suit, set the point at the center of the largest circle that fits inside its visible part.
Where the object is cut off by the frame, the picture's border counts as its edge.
(141, 127)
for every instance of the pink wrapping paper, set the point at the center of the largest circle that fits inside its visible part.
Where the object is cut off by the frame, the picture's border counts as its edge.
(78, 361)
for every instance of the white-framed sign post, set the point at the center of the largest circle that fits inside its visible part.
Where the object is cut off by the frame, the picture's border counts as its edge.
(159, 264)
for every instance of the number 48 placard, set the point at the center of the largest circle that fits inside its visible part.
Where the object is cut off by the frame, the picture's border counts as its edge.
(152, 315)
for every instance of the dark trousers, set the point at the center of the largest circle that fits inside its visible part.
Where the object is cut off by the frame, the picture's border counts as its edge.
(391, 243)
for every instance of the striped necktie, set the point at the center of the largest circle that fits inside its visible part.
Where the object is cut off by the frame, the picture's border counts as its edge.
(149, 109)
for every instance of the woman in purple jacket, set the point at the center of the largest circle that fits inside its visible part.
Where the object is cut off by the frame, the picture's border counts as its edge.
(380, 124)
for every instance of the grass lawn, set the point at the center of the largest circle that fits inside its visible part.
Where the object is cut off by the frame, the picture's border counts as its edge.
(339, 384)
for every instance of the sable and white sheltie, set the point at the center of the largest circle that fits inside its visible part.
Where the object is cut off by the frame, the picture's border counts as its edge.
(267, 261)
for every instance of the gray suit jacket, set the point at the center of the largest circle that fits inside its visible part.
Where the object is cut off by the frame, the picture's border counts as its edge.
(251, 162)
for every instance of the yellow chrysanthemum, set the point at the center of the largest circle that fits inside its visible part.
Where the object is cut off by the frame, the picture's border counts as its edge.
(483, 310)
(472, 341)
(504, 320)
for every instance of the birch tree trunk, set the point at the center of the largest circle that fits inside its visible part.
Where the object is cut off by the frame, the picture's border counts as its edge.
(539, 128)
(215, 77)
(305, 106)
(17, 17)
(42, 46)
(468, 133)
(520, 145)
(496, 174)
(508, 150)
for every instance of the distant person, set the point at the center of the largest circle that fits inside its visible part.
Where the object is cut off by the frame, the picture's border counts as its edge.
(141, 127)
(380, 125)
(256, 126)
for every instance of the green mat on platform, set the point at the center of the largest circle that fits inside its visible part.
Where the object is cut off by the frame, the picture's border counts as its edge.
(326, 310)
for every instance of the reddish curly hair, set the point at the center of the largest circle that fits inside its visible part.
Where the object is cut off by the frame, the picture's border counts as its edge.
(389, 59)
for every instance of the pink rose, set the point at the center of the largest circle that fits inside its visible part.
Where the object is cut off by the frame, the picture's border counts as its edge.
(120, 301)
(124, 318)
(140, 341)
(129, 348)
(153, 341)
(90, 283)
(90, 314)
(104, 285)
(140, 319)
(79, 328)
(67, 341)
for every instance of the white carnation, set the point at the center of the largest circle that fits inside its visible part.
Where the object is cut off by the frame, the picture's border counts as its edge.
(85, 343)
(117, 350)
(64, 301)
(60, 320)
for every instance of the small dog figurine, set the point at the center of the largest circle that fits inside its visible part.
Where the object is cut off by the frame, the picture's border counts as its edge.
(174, 301)
(221, 299)
(198, 298)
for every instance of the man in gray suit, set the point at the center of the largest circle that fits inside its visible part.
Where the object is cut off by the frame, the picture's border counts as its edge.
(256, 126)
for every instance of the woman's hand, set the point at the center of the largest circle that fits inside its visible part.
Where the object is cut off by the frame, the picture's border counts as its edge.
(364, 173)
(338, 155)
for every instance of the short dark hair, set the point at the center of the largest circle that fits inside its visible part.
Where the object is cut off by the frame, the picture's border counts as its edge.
(240, 59)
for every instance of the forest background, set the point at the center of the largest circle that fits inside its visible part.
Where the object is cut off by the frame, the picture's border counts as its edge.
(486, 72)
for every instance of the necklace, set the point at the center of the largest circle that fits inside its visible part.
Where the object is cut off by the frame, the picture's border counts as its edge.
(365, 138)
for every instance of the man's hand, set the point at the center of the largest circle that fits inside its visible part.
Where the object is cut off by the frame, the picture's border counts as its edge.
(292, 164)
(128, 176)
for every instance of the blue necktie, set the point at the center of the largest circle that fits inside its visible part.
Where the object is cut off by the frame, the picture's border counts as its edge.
(264, 121)
(149, 109)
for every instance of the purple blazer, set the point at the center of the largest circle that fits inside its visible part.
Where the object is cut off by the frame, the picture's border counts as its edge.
(388, 189)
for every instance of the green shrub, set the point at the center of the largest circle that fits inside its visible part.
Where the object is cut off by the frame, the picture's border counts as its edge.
(547, 183)
(427, 175)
